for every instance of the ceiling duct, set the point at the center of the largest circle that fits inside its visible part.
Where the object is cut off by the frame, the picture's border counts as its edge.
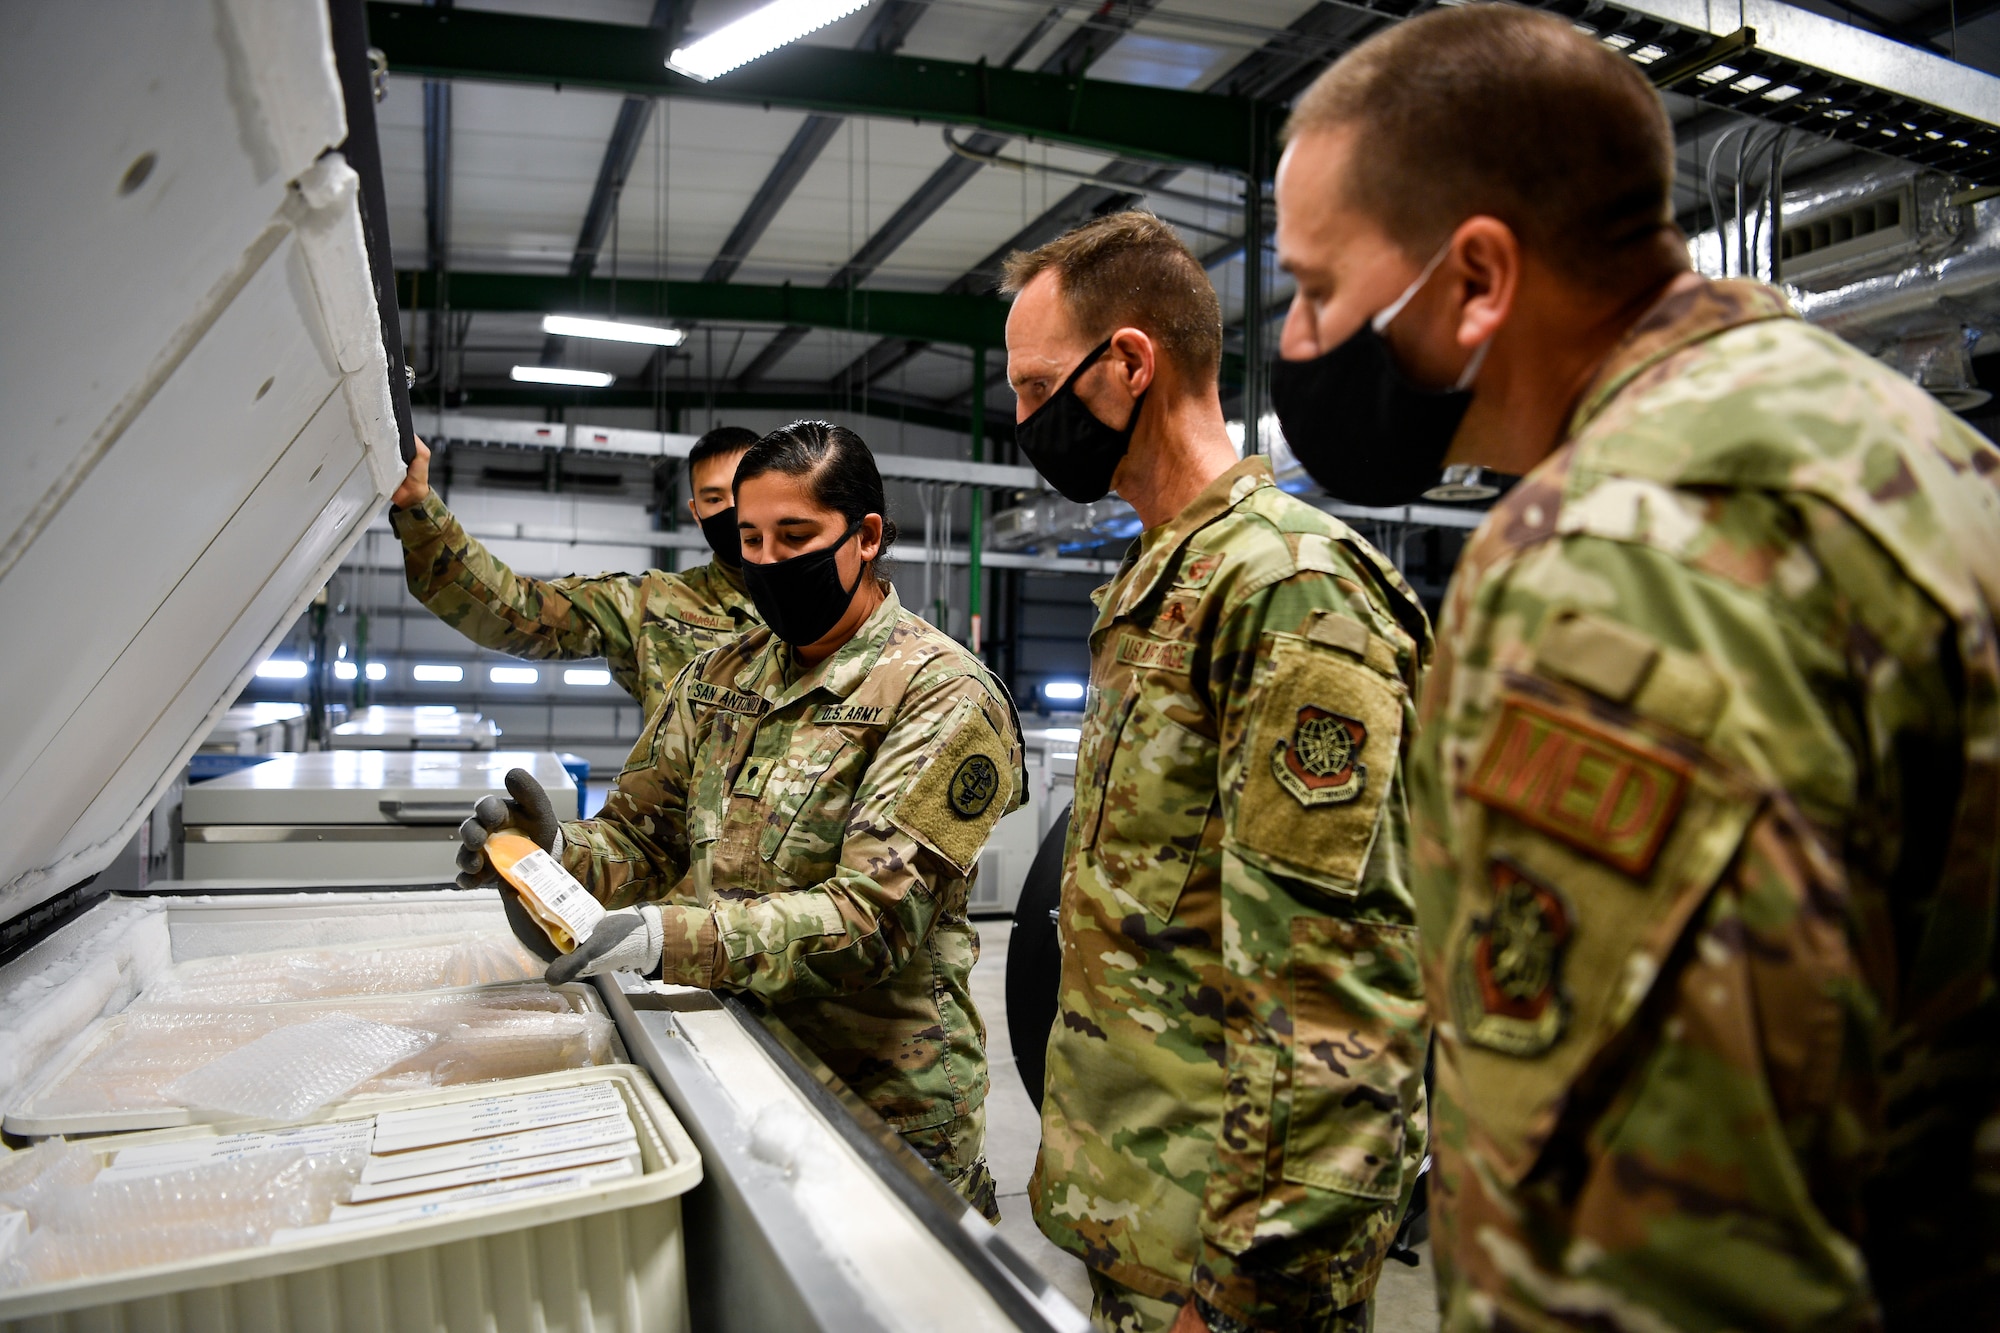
(1868, 224)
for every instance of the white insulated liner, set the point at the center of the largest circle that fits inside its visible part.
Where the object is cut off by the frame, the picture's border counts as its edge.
(199, 420)
(599, 1259)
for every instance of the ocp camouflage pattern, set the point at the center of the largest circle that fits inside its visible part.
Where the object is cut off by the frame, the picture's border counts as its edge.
(799, 825)
(1234, 1103)
(645, 626)
(1707, 847)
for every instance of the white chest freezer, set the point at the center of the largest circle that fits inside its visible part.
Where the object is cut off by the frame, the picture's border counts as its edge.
(423, 727)
(267, 728)
(201, 362)
(345, 815)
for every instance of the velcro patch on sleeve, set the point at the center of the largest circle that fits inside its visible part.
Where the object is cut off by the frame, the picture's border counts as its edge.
(1325, 738)
(1507, 983)
(961, 792)
(721, 696)
(1611, 796)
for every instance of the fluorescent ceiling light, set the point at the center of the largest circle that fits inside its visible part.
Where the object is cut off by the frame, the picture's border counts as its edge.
(278, 668)
(576, 379)
(513, 675)
(757, 33)
(586, 676)
(437, 675)
(1067, 690)
(1064, 733)
(346, 671)
(573, 326)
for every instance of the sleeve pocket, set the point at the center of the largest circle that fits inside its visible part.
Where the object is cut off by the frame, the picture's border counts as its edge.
(1357, 1055)
(1234, 1192)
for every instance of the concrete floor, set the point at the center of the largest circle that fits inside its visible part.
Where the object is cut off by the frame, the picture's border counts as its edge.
(1404, 1302)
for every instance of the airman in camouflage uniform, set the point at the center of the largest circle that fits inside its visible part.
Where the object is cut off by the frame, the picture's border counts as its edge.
(814, 834)
(1235, 1102)
(1708, 815)
(645, 626)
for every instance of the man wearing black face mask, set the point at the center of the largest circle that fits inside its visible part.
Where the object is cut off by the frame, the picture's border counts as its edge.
(1706, 806)
(645, 626)
(1223, 1143)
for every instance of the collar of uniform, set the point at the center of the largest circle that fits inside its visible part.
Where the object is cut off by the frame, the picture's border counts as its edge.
(1693, 310)
(732, 577)
(1153, 554)
(839, 675)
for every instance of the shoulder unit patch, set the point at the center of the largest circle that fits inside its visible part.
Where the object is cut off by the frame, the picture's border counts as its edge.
(974, 783)
(1507, 983)
(1320, 762)
(1612, 797)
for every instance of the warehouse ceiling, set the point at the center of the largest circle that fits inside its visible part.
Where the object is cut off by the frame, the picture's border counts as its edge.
(630, 202)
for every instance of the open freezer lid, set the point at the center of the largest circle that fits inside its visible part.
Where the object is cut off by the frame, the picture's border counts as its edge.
(195, 358)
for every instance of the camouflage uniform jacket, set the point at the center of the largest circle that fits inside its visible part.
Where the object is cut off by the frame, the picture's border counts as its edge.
(1235, 1098)
(817, 832)
(1708, 834)
(646, 626)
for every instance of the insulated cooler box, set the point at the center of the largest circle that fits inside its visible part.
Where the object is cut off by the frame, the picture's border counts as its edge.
(351, 814)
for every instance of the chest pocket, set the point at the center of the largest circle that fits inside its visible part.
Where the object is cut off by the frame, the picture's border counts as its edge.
(1158, 787)
(806, 807)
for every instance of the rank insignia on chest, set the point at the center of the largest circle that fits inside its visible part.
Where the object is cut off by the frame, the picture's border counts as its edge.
(1507, 983)
(1320, 763)
(974, 784)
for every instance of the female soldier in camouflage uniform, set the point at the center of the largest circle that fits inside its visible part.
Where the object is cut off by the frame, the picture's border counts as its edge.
(803, 817)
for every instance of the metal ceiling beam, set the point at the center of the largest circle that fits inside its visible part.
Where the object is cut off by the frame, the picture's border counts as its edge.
(1070, 59)
(1276, 72)
(886, 33)
(1816, 74)
(1160, 123)
(804, 399)
(972, 321)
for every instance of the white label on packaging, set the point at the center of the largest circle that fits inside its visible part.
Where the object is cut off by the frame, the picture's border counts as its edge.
(400, 1212)
(473, 1175)
(149, 1159)
(558, 891)
(600, 1133)
(423, 1127)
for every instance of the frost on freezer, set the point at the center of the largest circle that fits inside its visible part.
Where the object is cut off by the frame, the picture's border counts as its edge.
(333, 972)
(90, 967)
(506, 1032)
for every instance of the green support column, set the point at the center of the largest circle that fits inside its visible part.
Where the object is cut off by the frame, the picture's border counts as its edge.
(976, 572)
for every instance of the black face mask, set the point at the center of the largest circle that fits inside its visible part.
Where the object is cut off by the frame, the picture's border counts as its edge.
(1069, 446)
(1358, 425)
(719, 530)
(801, 598)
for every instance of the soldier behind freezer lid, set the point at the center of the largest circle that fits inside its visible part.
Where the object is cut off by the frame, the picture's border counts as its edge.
(803, 821)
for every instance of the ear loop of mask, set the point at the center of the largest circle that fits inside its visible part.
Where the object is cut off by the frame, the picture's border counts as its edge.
(1388, 314)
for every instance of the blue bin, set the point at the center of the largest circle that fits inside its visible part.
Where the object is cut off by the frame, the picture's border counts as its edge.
(579, 772)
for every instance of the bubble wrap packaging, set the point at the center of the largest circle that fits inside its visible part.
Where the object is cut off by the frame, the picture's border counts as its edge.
(288, 1074)
(387, 968)
(100, 1226)
(502, 1033)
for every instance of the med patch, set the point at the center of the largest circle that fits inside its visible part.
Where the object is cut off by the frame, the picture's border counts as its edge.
(965, 785)
(1613, 796)
(1506, 985)
(1320, 762)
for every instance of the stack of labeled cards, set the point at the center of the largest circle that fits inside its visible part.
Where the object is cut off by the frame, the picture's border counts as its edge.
(442, 1159)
